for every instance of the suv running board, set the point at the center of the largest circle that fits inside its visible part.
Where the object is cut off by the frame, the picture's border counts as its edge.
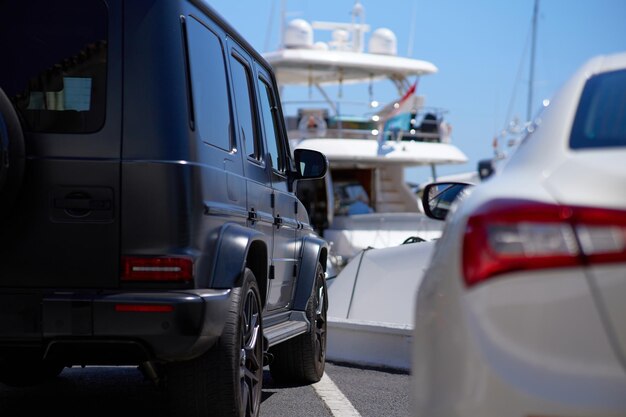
(285, 326)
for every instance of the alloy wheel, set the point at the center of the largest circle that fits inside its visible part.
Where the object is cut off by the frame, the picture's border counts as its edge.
(250, 366)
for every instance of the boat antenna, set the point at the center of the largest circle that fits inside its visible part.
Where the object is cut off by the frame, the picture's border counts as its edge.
(512, 124)
(409, 51)
(532, 62)
(270, 25)
(358, 34)
(283, 18)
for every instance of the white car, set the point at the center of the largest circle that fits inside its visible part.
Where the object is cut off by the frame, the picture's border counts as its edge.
(522, 311)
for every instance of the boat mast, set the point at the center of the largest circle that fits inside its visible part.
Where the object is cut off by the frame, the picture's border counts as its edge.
(283, 18)
(531, 77)
(514, 128)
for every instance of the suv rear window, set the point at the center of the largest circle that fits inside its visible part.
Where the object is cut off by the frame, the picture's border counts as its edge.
(601, 116)
(54, 56)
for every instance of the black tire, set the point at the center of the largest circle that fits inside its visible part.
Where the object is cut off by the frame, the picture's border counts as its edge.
(303, 358)
(25, 372)
(11, 153)
(227, 380)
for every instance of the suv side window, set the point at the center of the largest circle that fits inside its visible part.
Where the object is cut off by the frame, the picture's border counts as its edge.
(242, 82)
(210, 91)
(270, 122)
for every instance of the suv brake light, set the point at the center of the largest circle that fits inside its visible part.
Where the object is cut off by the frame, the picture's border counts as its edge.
(178, 269)
(513, 235)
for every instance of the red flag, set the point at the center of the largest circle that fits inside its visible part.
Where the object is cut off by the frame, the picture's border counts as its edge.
(405, 104)
(409, 92)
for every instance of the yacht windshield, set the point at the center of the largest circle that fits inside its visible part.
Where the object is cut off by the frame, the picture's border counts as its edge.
(351, 198)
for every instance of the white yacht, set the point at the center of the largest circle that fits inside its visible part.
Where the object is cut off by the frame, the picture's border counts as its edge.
(364, 201)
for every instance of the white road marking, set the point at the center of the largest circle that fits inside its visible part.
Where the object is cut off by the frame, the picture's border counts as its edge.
(334, 399)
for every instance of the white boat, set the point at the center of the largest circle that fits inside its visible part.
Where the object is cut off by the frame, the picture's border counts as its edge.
(364, 201)
(372, 303)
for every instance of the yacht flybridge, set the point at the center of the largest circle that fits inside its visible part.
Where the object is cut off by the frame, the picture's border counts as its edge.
(364, 201)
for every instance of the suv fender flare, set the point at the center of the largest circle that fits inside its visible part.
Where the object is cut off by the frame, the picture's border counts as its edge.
(237, 247)
(314, 250)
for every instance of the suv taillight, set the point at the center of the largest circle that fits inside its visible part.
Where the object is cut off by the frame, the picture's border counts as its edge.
(514, 235)
(177, 269)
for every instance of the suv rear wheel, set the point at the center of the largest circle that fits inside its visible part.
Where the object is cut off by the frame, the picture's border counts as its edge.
(302, 359)
(226, 380)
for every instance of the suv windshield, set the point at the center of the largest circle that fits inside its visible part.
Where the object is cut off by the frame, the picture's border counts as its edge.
(601, 116)
(54, 63)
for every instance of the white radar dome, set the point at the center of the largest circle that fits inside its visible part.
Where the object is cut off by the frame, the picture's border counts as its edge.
(298, 34)
(383, 41)
(341, 35)
(358, 9)
(321, 46)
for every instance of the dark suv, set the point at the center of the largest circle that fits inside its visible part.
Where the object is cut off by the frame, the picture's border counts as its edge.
(147, 212)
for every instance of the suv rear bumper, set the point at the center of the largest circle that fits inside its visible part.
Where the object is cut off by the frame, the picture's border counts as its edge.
(76, 327)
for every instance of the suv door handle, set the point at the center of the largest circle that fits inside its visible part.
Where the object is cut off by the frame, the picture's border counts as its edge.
(252, 216)
(278, 221)
(82, 204)
(93, 204)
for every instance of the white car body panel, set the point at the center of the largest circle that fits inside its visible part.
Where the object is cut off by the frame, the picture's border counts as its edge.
(538, 342)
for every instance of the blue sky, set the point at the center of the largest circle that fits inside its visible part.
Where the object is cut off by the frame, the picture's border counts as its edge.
(481, 48)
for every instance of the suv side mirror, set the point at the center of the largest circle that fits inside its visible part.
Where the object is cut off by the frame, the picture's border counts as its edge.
(438, 197)
(310, 164)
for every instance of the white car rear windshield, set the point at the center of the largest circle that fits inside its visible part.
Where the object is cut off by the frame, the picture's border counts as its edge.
(601, 116)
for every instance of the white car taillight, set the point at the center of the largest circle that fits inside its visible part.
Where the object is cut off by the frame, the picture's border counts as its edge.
(512, 235)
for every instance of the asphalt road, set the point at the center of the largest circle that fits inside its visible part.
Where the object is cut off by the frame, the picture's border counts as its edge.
(122, 391)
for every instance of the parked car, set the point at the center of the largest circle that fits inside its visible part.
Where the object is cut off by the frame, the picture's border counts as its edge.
(147, 206)
(522, 310)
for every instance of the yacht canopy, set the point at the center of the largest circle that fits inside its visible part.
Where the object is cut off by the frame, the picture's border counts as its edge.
(314, 66)
(368, 152)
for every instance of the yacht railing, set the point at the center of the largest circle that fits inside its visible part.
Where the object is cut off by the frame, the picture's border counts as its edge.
(317, 119)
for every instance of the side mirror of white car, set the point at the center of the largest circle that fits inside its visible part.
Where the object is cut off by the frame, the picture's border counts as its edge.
(438, 197)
